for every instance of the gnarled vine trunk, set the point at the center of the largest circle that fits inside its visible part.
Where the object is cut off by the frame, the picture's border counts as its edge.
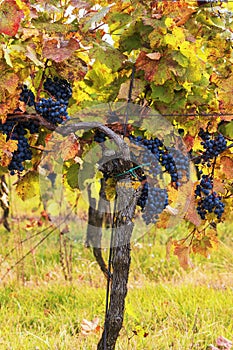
(127, 197)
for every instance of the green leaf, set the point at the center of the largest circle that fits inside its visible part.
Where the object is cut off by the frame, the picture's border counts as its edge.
(162, 74)
(72, 176)
(162, 93)
(110, 56)
(181, 59)
(227, 129)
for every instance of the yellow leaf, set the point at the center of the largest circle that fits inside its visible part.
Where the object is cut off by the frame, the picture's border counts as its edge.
(6, 149)
(28, 187)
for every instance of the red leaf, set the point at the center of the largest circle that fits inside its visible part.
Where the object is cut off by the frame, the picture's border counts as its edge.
(10, 17)
(60, 51)
(189, 142)
(148, 65)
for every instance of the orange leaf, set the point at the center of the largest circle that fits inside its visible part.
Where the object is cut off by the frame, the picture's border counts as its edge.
(218, 186)
(10, 17)
(6, 149)
(59, 51)
(10, 82)
(191, 212)
(227, 166)
(70, 147)
(182, 253)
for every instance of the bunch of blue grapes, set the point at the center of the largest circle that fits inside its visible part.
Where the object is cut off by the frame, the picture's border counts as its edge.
(59, 88)
(154, 201)
(54, 108)
(174, 161)
(17, 132)
(53, 111)
(27, 96)
(181, 164)
(213, 146)
(209, 201)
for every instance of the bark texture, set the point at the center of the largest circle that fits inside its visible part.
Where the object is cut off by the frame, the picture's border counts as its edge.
(127, 198)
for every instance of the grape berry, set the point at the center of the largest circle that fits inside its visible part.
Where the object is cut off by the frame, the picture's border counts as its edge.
(27, 96)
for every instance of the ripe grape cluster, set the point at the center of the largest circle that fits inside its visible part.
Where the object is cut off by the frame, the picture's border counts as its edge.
(173, 161)
(154, 200)
(213, 146)
(15, 131)
(53, 109)
(59, 88)
(209, 201)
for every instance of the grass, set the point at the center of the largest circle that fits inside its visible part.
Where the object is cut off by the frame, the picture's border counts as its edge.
(166, 307)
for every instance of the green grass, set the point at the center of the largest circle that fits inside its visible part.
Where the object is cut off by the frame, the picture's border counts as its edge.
(176, 309)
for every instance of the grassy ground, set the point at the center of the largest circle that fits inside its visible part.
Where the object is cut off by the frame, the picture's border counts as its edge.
(167, 307)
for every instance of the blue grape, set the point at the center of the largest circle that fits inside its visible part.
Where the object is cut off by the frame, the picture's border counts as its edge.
(53, 111)
(153, 202)
(213, 146)
(59, 88)
(27, 96)
(99, 136)
(209, 201)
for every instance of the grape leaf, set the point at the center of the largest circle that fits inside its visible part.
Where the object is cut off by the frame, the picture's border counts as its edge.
(96, 18)
(10, 17)
(9, 82)
(149, 66)
(182, 253)
(229, 129)
(227, 166)
(6, 149)
(72, 176)
(189, 142)
(69, 148)
(110, 56)
(59, 51)
(204, 243)
(28, 187)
